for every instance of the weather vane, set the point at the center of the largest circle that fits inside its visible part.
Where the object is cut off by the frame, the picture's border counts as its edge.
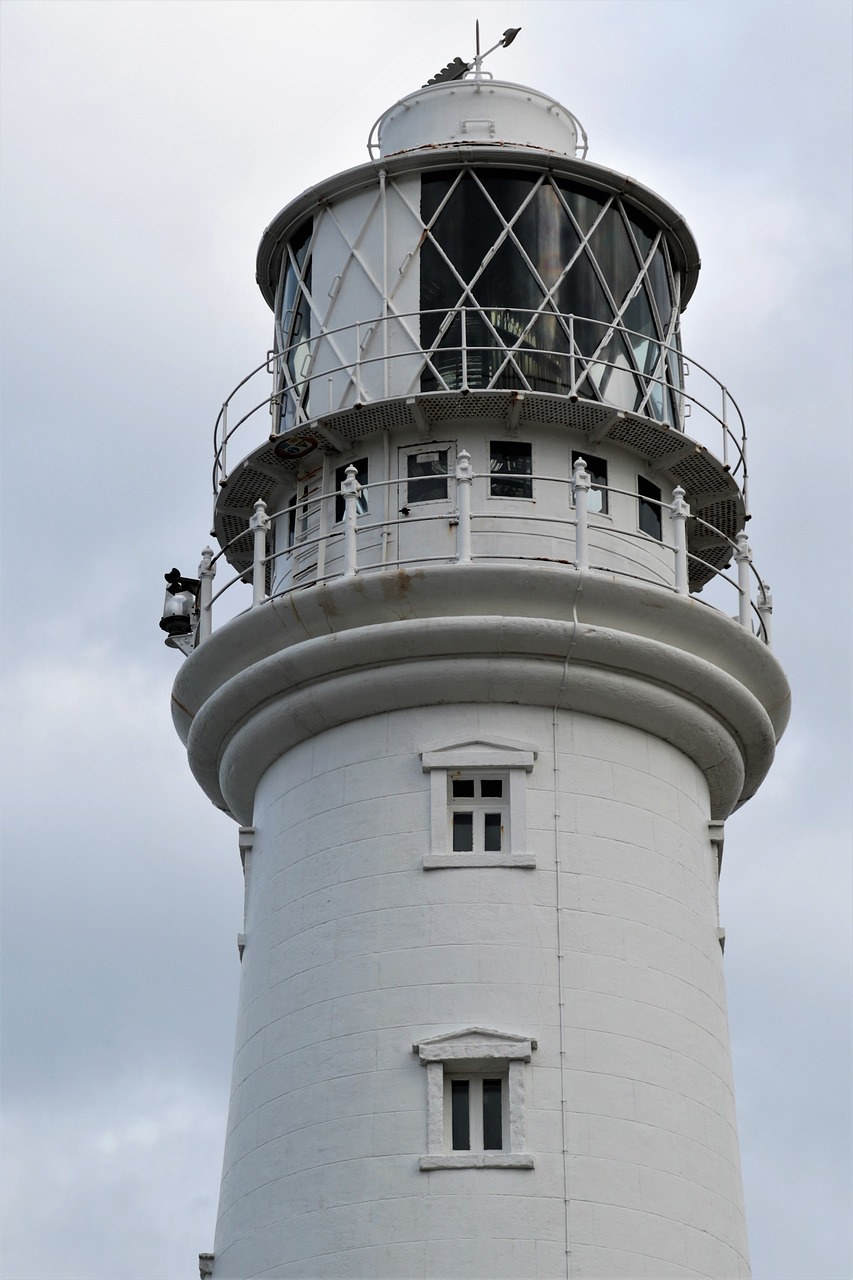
(458, 67)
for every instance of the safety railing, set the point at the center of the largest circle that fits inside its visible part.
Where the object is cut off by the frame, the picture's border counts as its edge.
(347, 548)
(476, 349)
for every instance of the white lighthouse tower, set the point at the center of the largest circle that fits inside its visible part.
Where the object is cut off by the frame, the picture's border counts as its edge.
(478, 731)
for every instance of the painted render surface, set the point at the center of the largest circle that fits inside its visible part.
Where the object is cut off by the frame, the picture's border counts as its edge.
(354, 952)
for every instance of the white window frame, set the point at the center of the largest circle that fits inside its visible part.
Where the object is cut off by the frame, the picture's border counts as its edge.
(475, 1053)
(412, 450)
(504, 758)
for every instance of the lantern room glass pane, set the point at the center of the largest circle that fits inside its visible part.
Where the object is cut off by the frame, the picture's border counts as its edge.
(615, 255)
(510, 237)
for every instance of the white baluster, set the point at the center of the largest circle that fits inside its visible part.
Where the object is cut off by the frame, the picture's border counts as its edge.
(581, 481)
(679, 513)
(350, 490)
(743, 559)
(464, 479)
(259, 523)
(206, 574)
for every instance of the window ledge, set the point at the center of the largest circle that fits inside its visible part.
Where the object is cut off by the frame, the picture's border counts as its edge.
(477, 1160)
(434, 860)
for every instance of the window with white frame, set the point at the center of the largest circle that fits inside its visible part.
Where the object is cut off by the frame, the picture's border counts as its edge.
(476, 1082)
(478, 804)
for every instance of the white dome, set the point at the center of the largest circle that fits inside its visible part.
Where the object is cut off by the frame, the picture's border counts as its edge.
(478, 111)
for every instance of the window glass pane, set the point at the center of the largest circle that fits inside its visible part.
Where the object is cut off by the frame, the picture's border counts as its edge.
(493, 832)
(649, 511)
(660, 286)
(463, 833)
(597, 468)
(491, 787)
(427, 474)
(492, 1116)
(644, 233)
(511, 465)
(361, 505)
(463, 787)
(615, 255)
(460, 1118)
(584, 204)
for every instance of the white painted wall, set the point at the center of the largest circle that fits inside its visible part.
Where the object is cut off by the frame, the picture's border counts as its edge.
(354, 952)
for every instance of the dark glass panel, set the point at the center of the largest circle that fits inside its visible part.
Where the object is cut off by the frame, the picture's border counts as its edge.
(460, 1115)
(508, 279)
(644, 232)
(586, 205)
(649, 496)
(508, 188)
(511, 466)
(615, 255)
(463, 832)
(612, 373)
(427, 475)
(581, 294)
(463, 788)
(644, 337)
(492, 833)
(597, 468)
(660, 287)
(361, 504)
(492, 1115)
(467, 226)
(491, 787)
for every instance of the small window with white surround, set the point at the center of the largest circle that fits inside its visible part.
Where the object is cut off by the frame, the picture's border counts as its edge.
(476, 1082)
(511, 469)
(478, 804)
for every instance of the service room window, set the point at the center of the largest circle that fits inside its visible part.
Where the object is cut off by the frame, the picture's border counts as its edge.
(649, 509)
(597, 468)
(361, 504)
(478, 804)
(426, 476)
(511, 467)
(476, 1081)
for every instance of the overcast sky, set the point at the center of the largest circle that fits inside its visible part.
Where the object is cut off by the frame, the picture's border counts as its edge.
(145, 147)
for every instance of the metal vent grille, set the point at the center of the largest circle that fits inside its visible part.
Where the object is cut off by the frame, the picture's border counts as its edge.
(700, 472)
(247, 485)
(651, 441)
(233, 525)
(725, 516)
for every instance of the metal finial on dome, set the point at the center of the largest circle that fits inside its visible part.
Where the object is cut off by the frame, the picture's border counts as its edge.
(458, 67)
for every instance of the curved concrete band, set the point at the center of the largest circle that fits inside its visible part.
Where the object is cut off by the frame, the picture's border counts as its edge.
(590, 643)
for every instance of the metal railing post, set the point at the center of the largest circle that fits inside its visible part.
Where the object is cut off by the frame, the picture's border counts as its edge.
(765, 611)
(679, 513)
(464, 349)
(206, 574)
(350, 489)
(581, 481)
(743, 558)
(464, 479)
(357, 362)
(223, 468)
(572, 369)
(259, 523)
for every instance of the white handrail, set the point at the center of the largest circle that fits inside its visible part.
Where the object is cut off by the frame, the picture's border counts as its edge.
(580, 482)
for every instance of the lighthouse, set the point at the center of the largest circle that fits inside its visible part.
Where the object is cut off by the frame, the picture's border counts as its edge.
(480, 667)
